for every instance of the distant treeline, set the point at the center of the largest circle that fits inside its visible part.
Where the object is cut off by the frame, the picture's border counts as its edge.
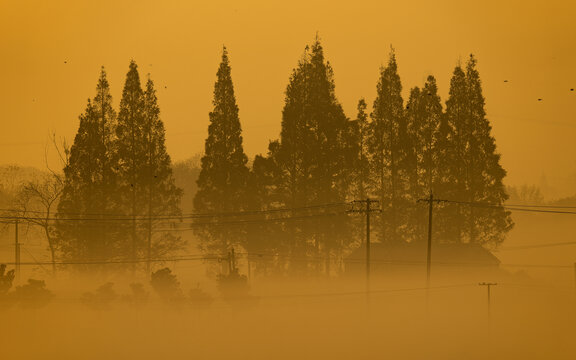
(118, 197)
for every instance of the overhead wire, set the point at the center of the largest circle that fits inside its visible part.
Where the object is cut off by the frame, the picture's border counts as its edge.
(124, 217)
(525, 208)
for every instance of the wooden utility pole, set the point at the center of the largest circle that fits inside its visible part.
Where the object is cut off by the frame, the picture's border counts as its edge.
(249, 269)
(367, 211)
(430, 200)
(488, 285)
(231, 261)
(16, 251)
(149, 245)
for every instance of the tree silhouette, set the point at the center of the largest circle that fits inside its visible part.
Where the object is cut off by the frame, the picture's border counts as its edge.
(37, 201)
(476, 166)
(146, 188)
(311, 157)
(130, 150)
(162, 195)
(88, 183)
(391, 154)
(224, 174)
(424, 115)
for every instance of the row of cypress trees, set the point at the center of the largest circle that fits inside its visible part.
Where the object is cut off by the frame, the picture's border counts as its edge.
(118, 179)
(119, 182)
(398, 154)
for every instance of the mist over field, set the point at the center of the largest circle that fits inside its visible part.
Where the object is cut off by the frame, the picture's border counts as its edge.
(300, 319)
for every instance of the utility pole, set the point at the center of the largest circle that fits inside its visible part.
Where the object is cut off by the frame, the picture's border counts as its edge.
(149, 245)
(367, 211)
(231, 261)
(430, 200)
(249, 269)
(16, 251)
(488, 285)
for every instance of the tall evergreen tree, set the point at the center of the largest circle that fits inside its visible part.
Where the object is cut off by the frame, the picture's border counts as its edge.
(223, 178)
(312, 156)
(359, 139)
(427, 135)
(84, 233)
(457, 119)
(418, 179)
(424, 112)
(162, 193)
(145, 185)
(485, 174)
(391, 154)
(129, 153)
(357, 157)
(479, 173)
(445, 185)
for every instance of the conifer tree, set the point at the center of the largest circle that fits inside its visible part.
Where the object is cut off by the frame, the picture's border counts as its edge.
(162, 194)
(223, 178)
(428, 136)
(145, 185)
(312, 156)
(418, 178)
(360, 161)
(456, 119)
(129, 153)
(88, 183)
(477, 168)
(446, 185)
(424, 112)
(485, 174)
(391, 154)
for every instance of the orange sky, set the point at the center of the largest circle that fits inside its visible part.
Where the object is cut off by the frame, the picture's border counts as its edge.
(530, 44)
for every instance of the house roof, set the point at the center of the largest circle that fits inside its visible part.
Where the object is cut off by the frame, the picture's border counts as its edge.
(452, 254)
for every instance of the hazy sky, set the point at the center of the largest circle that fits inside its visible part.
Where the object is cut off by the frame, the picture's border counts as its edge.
(52, 52)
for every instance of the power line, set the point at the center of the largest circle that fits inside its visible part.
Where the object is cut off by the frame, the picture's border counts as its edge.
(126, 261)
(123, 217)
(537, 266)
(196, 257)
(522, 247)
(508, 207)
(540, 211)
(542, 206)
(191, 224)
(400, 262)
(250, 221)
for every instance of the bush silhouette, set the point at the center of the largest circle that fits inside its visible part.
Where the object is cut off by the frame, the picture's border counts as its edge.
(101, 298)
(32, 295)
(166, 285)
(6, 279)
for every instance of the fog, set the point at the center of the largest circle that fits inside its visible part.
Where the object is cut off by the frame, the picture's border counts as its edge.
(414, 202)
(305, 318)
(532, 313)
